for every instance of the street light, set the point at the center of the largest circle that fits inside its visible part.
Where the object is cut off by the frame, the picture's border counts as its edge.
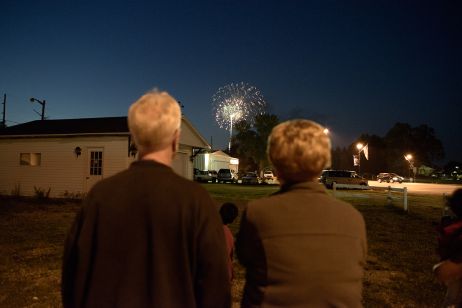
(43, 102)
(326, 131)
(359, 146)
(408, 157)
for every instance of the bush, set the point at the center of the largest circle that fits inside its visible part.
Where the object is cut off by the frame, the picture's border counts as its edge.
(73, 195)
(41, 194)
(16, 191)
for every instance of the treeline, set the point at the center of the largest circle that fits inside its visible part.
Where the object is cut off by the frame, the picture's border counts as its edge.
(386, 154)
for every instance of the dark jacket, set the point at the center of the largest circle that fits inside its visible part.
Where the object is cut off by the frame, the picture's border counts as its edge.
(450, 241)
(302, 248)
(146, 237)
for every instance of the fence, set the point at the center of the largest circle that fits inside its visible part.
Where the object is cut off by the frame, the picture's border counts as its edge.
(388, 189)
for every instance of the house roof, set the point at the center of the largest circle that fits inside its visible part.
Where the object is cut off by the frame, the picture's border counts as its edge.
(86, 126)
(68, 127)
(220, 153)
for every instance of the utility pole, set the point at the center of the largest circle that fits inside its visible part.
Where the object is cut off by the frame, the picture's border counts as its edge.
(4, 112)
(43, 102)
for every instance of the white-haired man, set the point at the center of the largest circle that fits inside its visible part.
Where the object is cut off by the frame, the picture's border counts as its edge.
(146, 237)
(301, 247)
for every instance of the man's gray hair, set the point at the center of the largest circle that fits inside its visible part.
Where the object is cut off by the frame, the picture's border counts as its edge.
(153, 120)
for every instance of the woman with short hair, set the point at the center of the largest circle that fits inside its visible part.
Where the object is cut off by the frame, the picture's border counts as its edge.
(300, 246)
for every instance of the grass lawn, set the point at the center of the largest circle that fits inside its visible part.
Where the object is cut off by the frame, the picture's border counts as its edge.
(398, 273)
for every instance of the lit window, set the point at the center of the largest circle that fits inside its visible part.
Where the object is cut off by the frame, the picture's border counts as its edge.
(30, 159)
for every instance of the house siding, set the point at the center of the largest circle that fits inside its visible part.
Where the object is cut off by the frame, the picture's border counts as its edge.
(190, 136)
(60, 169)
(182, 163)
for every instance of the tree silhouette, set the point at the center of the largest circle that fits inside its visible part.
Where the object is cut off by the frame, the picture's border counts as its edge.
(386, 154)
(250, 142)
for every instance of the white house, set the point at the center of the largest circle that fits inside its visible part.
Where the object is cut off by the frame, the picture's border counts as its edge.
(69, 156)
(215, 161)
(425, 170)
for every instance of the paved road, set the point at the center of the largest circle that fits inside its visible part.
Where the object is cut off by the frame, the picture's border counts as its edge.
(427, 188)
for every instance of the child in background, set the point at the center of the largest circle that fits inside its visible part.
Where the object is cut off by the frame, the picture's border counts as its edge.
(228, 213)
(450, 247)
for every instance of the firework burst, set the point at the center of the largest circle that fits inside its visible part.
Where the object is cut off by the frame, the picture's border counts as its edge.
(235, 102)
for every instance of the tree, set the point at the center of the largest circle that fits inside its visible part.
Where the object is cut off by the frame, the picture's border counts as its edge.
(386, 154)
(398, 141)
(426, 145)
(377, 154)
(419, 141)
(250, 142)
(244, 146)
(264, 124)
(342, 159)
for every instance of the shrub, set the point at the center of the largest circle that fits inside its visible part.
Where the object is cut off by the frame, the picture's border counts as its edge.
(73, 195)
(16, 191)
(41, 194)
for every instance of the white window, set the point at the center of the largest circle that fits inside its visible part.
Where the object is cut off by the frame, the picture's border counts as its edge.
(96, 163)
(30, 159)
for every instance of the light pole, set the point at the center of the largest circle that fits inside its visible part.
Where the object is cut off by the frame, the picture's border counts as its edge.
(43, 102)
(359, 146)
(408, 157)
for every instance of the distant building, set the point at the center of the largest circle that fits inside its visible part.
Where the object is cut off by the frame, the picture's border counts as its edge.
(69, 156)
(425, 170)
(215, 161)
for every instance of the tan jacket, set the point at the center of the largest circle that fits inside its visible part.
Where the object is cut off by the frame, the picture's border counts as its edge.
(302, 248)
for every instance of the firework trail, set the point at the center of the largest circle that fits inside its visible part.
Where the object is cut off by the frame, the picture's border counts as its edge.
(235, 102)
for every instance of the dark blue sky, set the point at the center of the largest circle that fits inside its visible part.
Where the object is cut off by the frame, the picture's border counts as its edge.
(354, 66)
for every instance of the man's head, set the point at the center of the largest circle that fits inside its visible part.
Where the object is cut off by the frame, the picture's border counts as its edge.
(299, 150)
(154, 122)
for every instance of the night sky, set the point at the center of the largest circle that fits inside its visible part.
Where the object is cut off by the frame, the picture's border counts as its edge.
(354, 66)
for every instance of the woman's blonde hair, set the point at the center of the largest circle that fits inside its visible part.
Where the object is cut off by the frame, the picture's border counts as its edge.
(153, 120)
(299, 150)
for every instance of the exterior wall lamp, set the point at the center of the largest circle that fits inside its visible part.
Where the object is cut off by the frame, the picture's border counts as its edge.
(77, 151)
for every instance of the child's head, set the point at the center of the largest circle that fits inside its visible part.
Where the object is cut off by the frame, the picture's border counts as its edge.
(455, 202)
(228, 212)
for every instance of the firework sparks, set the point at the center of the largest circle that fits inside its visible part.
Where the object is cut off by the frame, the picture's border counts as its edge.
(235, 102)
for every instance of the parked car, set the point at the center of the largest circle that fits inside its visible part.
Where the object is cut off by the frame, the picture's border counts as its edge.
(250, 178)
(268, 175)
(206, 176)
(389, 177)
(329, 177)
(227, 175)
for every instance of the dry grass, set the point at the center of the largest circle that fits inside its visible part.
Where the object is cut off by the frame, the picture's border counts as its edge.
(401, 255)
(31, 245)
(401, 248)
(398, 273)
